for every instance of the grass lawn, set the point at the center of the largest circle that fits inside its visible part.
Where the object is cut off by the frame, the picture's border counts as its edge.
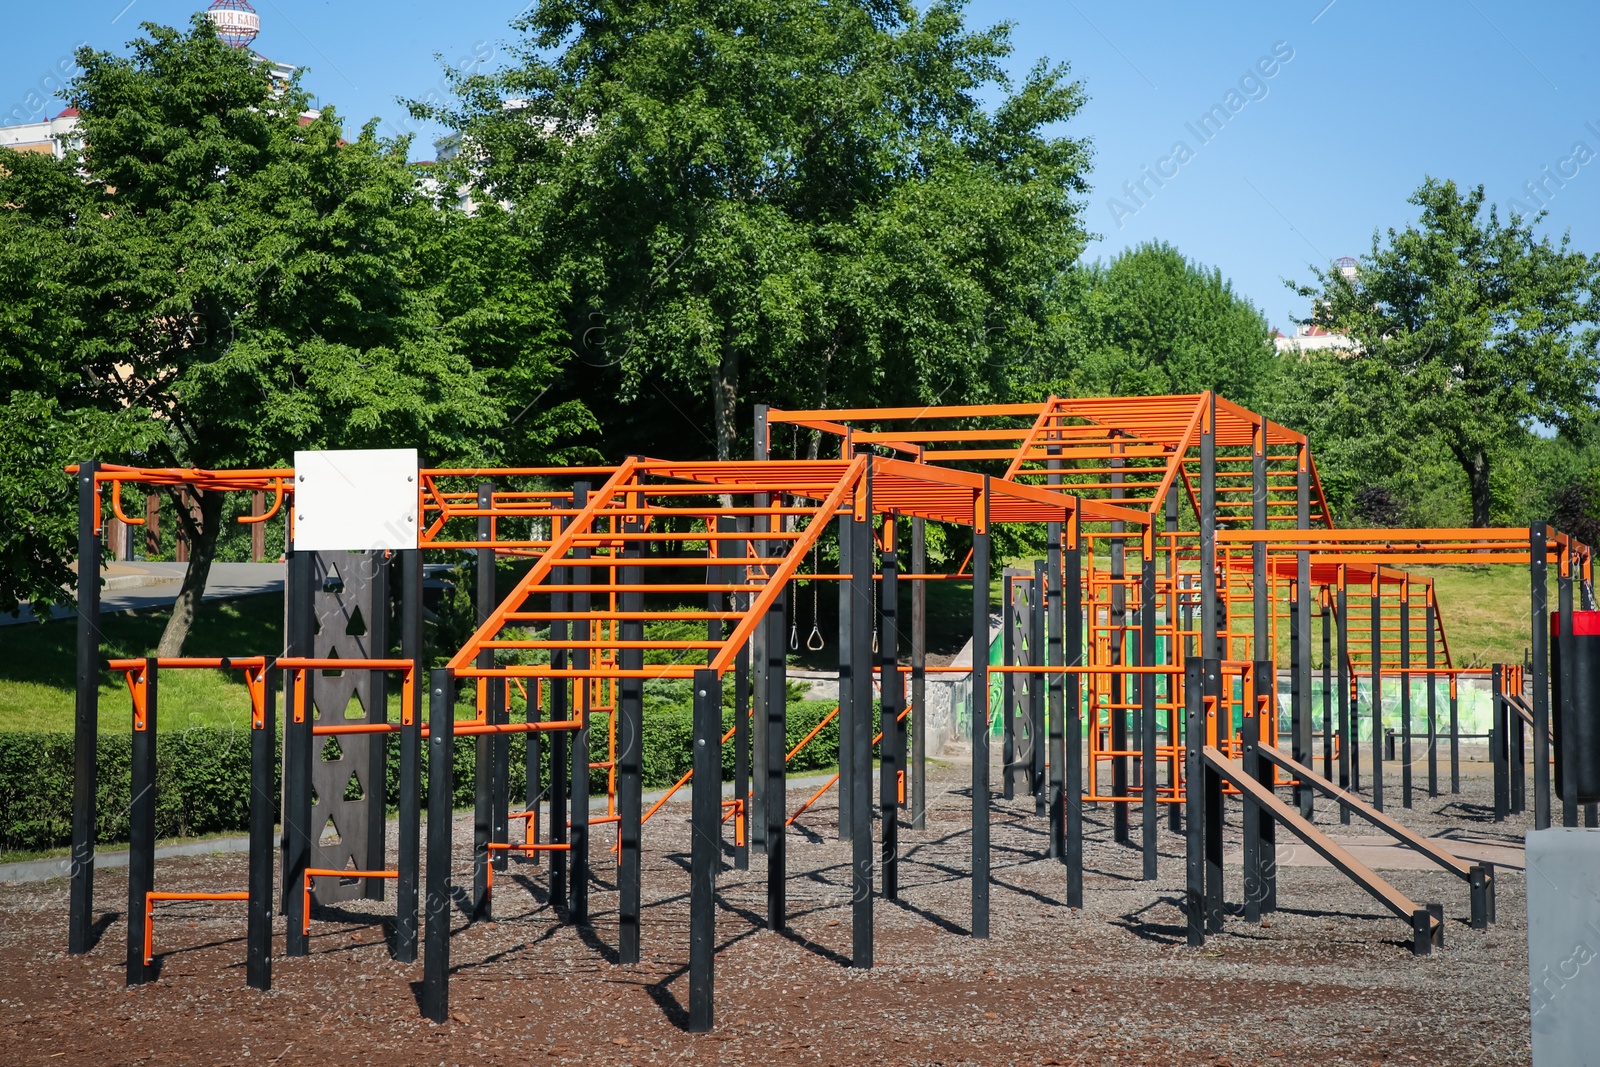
(1486, 611)
(37, 670)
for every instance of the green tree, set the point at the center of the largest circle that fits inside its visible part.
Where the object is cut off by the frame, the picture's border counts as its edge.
(780, 200)
(49, 419)
(1152, 321)
(1468, 332)
(245, 281)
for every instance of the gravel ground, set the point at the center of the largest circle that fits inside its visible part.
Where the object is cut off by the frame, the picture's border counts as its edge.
(1327, 979)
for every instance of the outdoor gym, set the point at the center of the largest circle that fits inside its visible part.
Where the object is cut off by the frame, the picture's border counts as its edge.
(1158, 673)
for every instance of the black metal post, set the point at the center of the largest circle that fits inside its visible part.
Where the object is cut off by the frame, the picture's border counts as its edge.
(705, 850)
(1566, 659)
(1117, 705)
(1405, 692)
(578, 834)
(408, 857)
(980, 713)
(142, 821)
(1211, 804)
(263, 813)
(849, 596)
(533, 774)
(1497, 743)
(483, 745)
(1377, 690)
(1266, 681)
(1071, 615)
(741, 711)
(1250, 762)
(1516, 733)
(1037, 598)
(1147, 707)
(1301, 716)
(630, 755)
(776, 733)
(1194, 802)
(1538, 548)
(1055, 620)
(759, 688)
(1327, 684)
(560, 740)
(1175, 720)
(297, 753)
(378, 564)
(892, 690)
(1348, 767)
(1268, 833)
(85, 718)
(1433, 697)
(919, 676)
(860, 765)
(441, 789)
(1008, 685)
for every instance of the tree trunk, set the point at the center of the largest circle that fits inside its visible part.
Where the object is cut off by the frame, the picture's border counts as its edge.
(202, 550)
(1477, 466)
(725, 401)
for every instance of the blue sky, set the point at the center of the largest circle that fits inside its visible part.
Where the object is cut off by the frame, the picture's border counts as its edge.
(1364, 98)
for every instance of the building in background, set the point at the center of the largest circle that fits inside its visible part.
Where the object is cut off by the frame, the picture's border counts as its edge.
(237, 24)
(1309, 337)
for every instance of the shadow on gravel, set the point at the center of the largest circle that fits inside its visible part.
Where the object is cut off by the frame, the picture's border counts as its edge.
(1158, 933)
(1469, 812)
(938, 920)
(98, 928)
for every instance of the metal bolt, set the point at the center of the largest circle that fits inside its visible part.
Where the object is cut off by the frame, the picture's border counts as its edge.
(302, 477)
(701, 742)
(411, 477)
(411, 518)
(299, 515)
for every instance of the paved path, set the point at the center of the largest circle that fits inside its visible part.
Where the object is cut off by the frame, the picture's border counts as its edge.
(135, 586)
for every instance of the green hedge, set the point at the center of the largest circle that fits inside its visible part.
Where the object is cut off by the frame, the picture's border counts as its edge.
(203, 774)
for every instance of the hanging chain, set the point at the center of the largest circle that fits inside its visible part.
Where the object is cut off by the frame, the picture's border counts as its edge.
(814, 642)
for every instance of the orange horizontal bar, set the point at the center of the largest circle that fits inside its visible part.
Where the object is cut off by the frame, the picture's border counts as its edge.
(333, 729)
(953, 411)
(309, 663)
(223, 663)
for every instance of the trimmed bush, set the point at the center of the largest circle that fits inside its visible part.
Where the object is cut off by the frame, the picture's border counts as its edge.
(203, 774)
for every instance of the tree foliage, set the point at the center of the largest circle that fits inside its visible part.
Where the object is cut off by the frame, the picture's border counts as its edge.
(777, 200)
(1152, 321)
(1470, 331)
(231, 272)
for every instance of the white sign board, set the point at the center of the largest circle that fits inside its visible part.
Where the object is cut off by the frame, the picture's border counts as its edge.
(357, 500)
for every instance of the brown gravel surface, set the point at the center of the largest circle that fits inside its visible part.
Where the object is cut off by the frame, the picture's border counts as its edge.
(1327, 979)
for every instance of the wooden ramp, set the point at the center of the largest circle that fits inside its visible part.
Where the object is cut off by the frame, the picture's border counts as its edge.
(1427, 921)
(1480, 877)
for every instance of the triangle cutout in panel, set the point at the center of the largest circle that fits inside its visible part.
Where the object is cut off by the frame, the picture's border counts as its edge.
(353, 789)
(332, 751)
(357, 626)
(330, 834)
